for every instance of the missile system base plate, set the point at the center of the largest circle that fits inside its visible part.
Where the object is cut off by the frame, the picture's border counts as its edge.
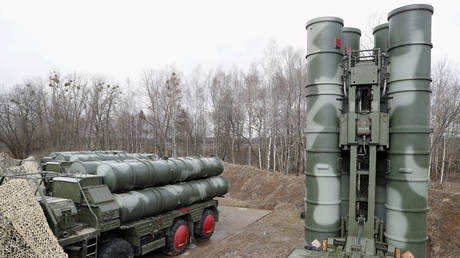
(300, 252)
(339, 248)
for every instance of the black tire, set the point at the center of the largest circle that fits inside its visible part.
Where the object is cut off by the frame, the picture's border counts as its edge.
(203, 229)
(115, 247)
(178, 238)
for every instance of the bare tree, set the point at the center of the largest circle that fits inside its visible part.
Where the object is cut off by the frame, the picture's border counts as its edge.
(66, 110)
(164, 94)
(445, 106)
(19, 113)
(251, 86)
(103, 98)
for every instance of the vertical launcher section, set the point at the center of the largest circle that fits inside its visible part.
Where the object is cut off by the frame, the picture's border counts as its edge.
(364, 131)
(409, 87)
(324, 86)
(367, 137)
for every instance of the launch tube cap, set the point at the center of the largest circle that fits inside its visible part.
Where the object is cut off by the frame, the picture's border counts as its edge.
(411, 8)
(324, 19)
(351, 30)
(380, 27)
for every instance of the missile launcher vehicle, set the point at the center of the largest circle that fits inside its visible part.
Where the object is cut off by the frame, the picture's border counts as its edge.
(90, 220)
(367, 137)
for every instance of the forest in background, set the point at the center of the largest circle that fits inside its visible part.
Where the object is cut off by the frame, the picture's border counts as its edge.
(253, 116)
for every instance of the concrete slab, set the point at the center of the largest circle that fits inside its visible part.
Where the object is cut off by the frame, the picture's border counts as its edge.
(232, 220)
(302, 253)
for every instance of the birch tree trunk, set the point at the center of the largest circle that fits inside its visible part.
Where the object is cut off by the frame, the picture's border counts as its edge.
(268, 151)
(274, 153)
(233, 150)
(443, 158)
(260, 156)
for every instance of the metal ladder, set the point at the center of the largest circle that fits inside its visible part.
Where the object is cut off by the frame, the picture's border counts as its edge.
(91, 243)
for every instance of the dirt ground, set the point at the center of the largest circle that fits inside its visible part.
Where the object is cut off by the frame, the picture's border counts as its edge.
(274, 235)
(278, 232)
(264, 190)
(444, 218)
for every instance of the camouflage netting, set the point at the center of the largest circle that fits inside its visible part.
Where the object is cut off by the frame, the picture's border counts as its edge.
(24, 231)
(5, 162)
(10, 166)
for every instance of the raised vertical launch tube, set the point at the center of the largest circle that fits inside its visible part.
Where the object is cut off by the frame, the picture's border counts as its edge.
(324, 86)
(409, 90)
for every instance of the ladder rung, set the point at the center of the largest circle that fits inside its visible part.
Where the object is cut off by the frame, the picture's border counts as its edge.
(92, 242)
(362, 172)
(361, 199)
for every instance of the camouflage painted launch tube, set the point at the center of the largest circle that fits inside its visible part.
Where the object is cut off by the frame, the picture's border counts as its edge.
(381, 37)
(89, 167)
(381, 40)
(409, 88)
(89, 164)
(324, 86)
(351, 38)
(137, 174)
(151, 201)
(66, 155)
(109, 156)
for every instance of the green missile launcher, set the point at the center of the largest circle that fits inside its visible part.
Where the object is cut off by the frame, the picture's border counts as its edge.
(367, 137)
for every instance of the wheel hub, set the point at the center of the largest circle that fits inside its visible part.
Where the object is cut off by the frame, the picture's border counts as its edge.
(208, 225)
(181, 237)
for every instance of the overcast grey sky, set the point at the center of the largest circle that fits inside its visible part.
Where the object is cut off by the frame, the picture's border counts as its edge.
(120, 39)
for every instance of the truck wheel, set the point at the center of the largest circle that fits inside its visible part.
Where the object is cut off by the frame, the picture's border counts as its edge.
(177, 240)
(115, 247)
(205, 228)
